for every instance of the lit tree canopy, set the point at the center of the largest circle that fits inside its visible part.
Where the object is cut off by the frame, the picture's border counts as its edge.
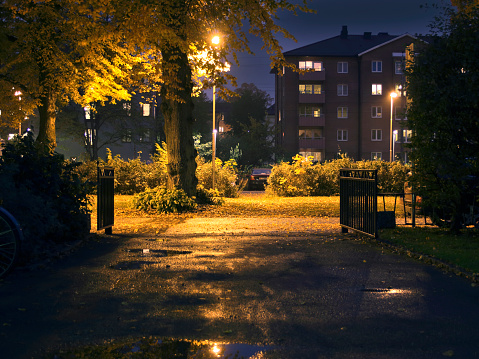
(90, 50)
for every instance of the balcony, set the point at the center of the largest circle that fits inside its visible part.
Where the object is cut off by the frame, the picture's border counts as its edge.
(312, 76)
(311, 121)
(313, 143)
(311, 98)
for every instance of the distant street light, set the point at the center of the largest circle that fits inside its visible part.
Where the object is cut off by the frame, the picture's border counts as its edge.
(393, 95)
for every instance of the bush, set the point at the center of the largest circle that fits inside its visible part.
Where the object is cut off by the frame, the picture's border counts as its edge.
(44, 193)
(162, 200)
(225, 176)
(303, 178)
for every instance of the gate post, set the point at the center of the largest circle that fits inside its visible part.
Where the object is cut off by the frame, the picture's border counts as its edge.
(105, 199)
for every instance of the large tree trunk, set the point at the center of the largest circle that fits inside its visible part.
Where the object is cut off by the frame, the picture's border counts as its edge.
(46, 134)
(177, 108)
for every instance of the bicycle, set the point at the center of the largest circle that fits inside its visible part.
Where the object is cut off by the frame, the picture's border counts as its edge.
(11, 238)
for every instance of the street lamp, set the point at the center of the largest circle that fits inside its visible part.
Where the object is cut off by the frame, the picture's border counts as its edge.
(393, 95)
(215, 41)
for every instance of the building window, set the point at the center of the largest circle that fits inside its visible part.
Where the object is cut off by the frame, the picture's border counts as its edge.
(406, 135)
(376, 156)
(342, 90)
(311, 65)
(87, 112)
(309, 111)
(127, 108)
(342, 135)
(399, 89)
(89, 135)
(310, 89)
(376, 135)
(310, 133)
(145, 108)
(145, 137)
(342, 67)
(377, 89)
(399, 67)
(126, 138)
(400, 113)
(376, 112)
(311, 155)
(377, 66)
(342, 112)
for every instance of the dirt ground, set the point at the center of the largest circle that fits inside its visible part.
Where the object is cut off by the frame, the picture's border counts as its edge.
(295, 284)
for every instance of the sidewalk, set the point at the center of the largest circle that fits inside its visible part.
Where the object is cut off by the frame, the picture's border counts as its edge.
(293, 283)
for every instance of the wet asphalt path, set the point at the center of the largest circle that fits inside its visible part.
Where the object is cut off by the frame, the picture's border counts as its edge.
(297, 284)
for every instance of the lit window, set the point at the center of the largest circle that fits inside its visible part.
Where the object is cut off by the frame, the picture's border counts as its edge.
(376, 135)
(127, 108)
(305, 89)
(376, 112)
(406, 135)
(342, 67)
(376, 156)
(342, 90)
(377, 89)
(317, 89)
(309, 111)
(311, 155)
(377, 66)
(145, 107)
(310, 133)
(342, 112)
(311, 65)
(89, 135)
(342, 135)
(87, 112)
(399, 89)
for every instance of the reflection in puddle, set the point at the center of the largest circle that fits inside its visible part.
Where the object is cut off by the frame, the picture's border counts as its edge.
(238, 350)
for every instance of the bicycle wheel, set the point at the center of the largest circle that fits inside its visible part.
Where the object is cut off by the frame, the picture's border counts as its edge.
(10, 240)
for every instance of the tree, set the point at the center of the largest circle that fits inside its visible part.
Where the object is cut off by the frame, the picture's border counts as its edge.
(89, 51)
(249, 105)
(61, 50)
(442, 83)
(180, 31)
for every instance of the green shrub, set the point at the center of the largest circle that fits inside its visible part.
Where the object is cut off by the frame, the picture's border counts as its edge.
(162, 200)
(44, 193)
(225, 176)
(303, 178)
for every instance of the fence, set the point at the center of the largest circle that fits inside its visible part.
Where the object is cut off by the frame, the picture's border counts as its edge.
(358, 201)
(106, 199)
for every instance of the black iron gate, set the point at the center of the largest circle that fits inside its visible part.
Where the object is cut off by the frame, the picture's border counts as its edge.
(105, 199)
(358, 201)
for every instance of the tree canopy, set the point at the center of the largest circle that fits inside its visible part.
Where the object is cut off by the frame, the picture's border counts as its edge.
(87, 51)
(443, 83)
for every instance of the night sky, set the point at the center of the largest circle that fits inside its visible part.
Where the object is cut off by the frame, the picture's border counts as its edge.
(395, 17)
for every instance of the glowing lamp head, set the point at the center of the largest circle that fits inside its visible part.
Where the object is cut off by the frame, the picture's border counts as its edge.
(393, 94)
(215, 40)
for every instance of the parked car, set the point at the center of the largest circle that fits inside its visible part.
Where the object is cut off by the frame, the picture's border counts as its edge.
(258, 178)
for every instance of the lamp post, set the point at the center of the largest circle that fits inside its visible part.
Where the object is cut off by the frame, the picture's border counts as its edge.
(215, 40)
(393, 95)
(395, 138)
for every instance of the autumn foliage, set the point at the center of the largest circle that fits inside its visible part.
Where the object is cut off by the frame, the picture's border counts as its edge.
(302, 177)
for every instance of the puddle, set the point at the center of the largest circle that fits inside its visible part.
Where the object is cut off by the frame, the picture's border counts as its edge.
(156, 252)
(239, 350)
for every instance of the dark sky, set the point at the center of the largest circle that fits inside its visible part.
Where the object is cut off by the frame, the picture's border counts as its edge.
(393, 16)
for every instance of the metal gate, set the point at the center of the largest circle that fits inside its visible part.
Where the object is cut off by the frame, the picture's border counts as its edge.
(358, 201)
(105, 199)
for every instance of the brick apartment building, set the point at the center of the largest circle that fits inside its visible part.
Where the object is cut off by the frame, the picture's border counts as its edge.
(344, 105)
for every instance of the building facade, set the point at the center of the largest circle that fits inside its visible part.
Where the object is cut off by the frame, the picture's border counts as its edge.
(343, 105)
